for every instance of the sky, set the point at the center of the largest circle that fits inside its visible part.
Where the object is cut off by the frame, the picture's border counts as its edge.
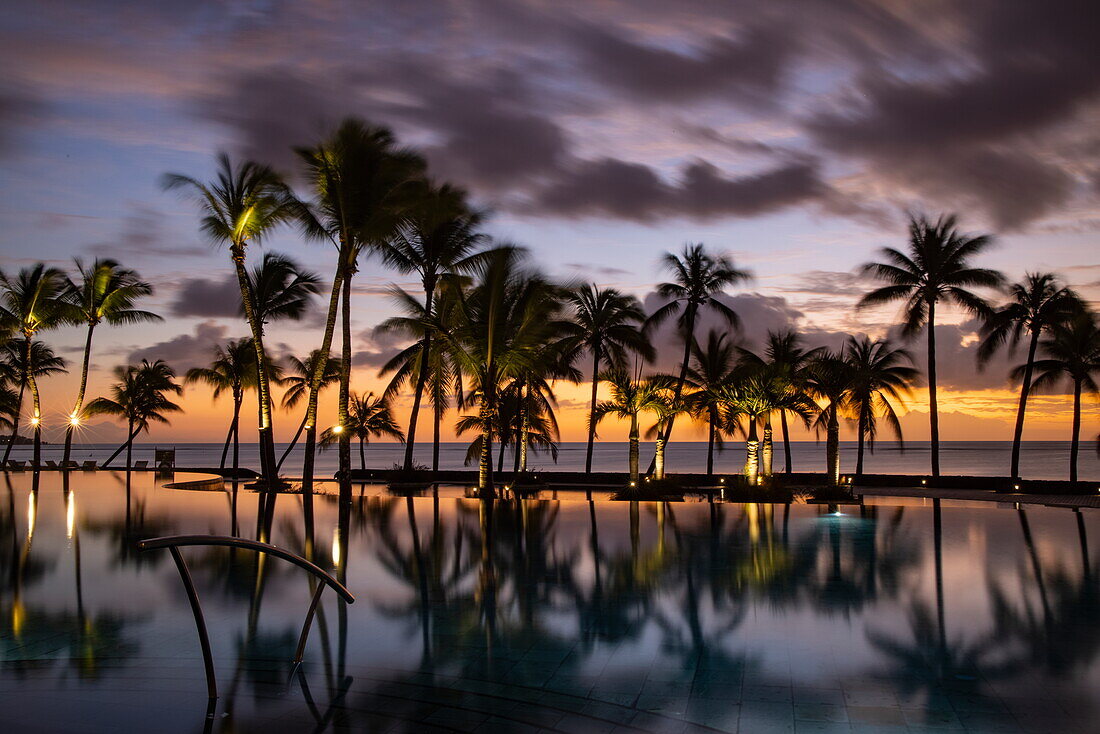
(792, 135)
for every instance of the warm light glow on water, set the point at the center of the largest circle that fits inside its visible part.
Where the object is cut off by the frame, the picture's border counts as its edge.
(643, 603)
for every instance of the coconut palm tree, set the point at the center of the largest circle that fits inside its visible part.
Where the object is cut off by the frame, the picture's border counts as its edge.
(281, 289)
(746, 402)
(439, 236)
(937, 268)
(787, 359)
(31, 302)
(630, 397)
(830, 382)
(232, 370)
(296, 383)
(712, 367)
(363, 187)
(15, 369)
(879, 374)
(1072, 352)
(105, 293)
(1038, 303)
(244, 204)
(500, 327)
(368, 417)
(605, 324)
(141, 397)
(698, 279)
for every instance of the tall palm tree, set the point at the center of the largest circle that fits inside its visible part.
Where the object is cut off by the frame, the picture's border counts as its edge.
(500, 328)
(369, 417)
(105, 293)
(1038, 303)
(786, 358)
(698, 278)
(936, 268)
(605, 324)
(879, 374)
(440, 235)
(241, 206)
(17, 369)
(232, 370)
(831, 382)
(296, 384)
(630, 397)
(712, 367)
(31, 302)
(1072, 352)
(363, 186)
(140, 396)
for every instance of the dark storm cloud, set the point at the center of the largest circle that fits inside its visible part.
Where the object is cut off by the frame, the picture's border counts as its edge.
(208, 298)
(186, 350)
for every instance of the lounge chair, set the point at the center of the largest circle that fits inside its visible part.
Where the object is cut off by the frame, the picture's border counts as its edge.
(51, 464)
(141, 465)
(88, 466)
(69, 465)
(16, 465)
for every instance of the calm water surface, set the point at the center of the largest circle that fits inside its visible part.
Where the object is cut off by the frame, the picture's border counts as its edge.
(547, 616)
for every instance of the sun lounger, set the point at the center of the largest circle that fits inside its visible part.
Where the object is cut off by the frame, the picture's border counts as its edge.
(88, 466)
(51, 464)
(141, 465)
(16, 465)
(69, 465)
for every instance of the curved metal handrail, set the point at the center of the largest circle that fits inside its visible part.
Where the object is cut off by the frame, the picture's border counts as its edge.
(224, 540)
(174, 542)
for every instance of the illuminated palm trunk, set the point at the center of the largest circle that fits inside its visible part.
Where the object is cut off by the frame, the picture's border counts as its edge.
(36, 408)
(342, 412)
(79, 405)
(832, 449)
(315, 386)
(752, 454)
(766, 450)
(659, 458)
(634, 448)
(485, 463)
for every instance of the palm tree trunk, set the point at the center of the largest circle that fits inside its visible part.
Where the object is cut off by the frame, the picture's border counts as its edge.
(362, 454)
(36, 416)
(292, 444)
(437, 418)
(345, 384)
(78, 406)
(933, 401)
(711, 418)
(315, 384)
(500, 453)
(129, 450)
(787, 463)
(767, 449)
(752, 453)
(862, 430)
(485, 464)
(421, 377)
(1075, 441)
(130, 433)
(15, 421)
(634, 448)
(524, 427)
(689, 333)
(832, 447)
(1025, 390)
(592, 407)
(236, 449)
(659, 458)
(263, 386)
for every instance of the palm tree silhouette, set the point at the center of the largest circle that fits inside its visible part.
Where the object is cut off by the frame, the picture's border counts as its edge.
(831, 382)
(232, 370)
(630, 398)
(605, 324)
(712, 366)
(1037, 303)
(296, 382)
(438, 237)
(936, 268)
(140, 396)
(106, 292)
(30, 302)
(698, 278)
(368, 417)
(1072, 352)
(878, 375)
(243, 204)
(364, 187)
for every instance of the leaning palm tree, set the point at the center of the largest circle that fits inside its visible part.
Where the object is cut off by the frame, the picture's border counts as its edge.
(630, 398)
(786, 358)
(1072, 352)
(605, 324)
(31, 302)
(698, 279)
(879, 374)
(369, 417)
(140, 397)
(439, 236)
(244, 204)
(232, 370)
(17, 370)
(296, 384)
(363, 187)
(712, 367)
(1038, 303)
(935, 269)
(105, 293)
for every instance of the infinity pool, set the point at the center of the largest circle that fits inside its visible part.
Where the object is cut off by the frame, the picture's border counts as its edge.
(567, 616)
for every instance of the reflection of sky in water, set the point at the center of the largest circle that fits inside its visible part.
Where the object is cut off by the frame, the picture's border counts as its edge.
(712, 614)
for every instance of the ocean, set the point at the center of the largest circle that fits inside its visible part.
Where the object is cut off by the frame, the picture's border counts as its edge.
(1039, 459)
